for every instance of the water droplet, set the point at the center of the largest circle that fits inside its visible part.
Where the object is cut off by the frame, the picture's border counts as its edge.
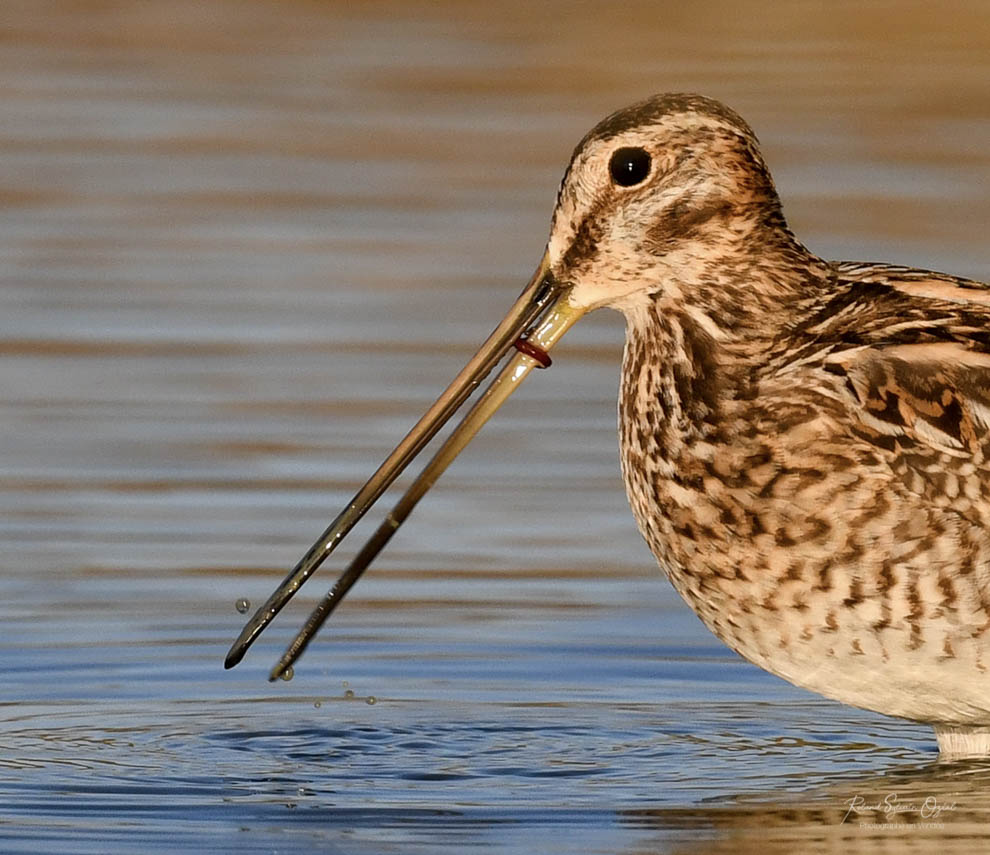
(242, 605)
(345, 684)
(371, 699)
(348, 694)
(287, 674)
(317, 704)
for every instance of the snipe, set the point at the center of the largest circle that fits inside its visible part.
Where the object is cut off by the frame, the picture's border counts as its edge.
(803, 442)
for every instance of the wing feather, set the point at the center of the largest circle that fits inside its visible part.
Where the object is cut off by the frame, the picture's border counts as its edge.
(934, 394)
(911, 357)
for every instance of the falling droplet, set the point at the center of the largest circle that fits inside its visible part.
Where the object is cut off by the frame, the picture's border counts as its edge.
(242, 605)
(371, 699)
(345, 684)
(287, 674)
(317, 704)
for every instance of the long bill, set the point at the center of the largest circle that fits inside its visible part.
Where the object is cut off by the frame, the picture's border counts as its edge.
(546, 333)
(536, 297)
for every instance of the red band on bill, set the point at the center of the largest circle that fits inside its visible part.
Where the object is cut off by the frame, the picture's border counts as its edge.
(524, 345)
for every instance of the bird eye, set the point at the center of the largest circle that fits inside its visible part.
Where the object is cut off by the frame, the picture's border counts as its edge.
(629, 166)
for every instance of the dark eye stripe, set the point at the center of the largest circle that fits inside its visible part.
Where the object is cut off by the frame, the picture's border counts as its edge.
(629, 166)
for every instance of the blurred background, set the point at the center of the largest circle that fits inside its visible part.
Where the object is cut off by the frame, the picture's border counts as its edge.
(243, 245)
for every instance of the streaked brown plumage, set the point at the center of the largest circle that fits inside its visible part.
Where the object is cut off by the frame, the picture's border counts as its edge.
(804, 443)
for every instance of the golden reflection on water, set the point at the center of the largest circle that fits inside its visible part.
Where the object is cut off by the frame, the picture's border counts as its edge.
(912, 809)
(242, 245)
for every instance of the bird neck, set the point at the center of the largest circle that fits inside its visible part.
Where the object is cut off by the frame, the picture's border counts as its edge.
(696, 354)
(700, 342)
(743, 290)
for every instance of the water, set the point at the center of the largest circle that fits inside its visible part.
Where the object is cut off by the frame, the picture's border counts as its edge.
(242, 246)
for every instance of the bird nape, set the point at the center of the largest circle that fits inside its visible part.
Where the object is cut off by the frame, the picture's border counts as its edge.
(803, 443)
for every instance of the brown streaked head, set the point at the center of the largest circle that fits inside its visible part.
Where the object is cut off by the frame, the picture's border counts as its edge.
(621, 232)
